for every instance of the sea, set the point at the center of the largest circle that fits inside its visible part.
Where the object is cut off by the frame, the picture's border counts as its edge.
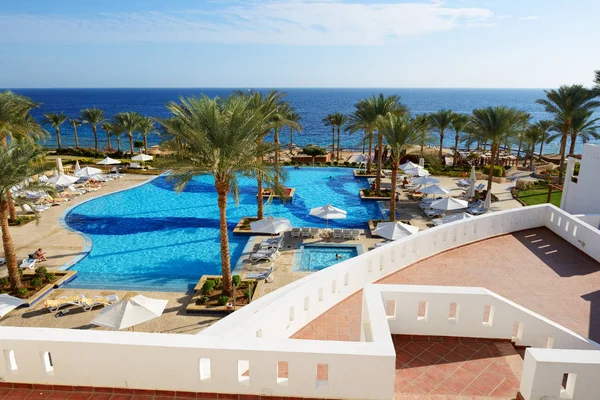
(312, 105)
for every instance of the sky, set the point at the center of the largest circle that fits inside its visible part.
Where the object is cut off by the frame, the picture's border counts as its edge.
(298, 43)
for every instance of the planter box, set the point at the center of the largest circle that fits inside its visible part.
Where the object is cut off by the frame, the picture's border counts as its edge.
(371, 175)
(239, 231)
(63, 277)
(193, 308)
(290, 195)
(364, 197)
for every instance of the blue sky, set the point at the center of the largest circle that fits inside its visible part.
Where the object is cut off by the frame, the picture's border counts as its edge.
(298, 43)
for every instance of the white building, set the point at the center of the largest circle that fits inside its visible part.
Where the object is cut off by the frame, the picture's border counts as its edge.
(581, 193)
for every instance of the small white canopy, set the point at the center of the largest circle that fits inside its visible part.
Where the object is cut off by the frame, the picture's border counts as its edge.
(449, 204)
(434, 189)
(108, 161)
(63, 180)
(59, 166)
(9, 303)
(488, 201)
(128, 313)
(417, 171)
(471, 191)
(88, 171)
(77, 167)
(358, 158)
(328, 212)
(142, 157)
(426, 180)
(456, 217)
(395, 230)
(408, 165)
(271, 225)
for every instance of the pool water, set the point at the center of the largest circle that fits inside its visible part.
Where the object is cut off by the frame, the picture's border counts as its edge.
(315, 258)
(153, 238)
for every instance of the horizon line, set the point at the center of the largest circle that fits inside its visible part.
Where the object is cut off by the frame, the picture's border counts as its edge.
(275, 87)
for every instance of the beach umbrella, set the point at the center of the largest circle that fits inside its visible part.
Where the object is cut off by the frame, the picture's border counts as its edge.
(108, 161)
(488, 201)
(271, 225)
(77, 167)
(9, 303)
(328, 212)
(87, 172)
(63, 180)
(59, 166)
(131, 312)
(434, 189)
(142, 158)
(456, 217)
(408, 165)
(471, 192)
(426, 180)
(417, 171)
(449, 204)
(394, 230)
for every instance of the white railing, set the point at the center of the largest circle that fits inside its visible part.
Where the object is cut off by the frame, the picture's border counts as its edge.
(591, 219)
(190, 363)
(575, 231)
(306, 299)
(560, 374)
(470, 312)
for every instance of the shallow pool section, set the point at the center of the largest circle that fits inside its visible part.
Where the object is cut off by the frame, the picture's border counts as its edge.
(153, 238)
(315, 257)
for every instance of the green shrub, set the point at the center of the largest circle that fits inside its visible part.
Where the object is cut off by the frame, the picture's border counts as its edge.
(223, 300)
(328, 163)
(49, 277)
(22, 292)
(208, 287)
(287, 163)
(138, 143)
(498, 171)
(247, 294)
(335, 163)
(203, 299)
(3, 281)
(313, 151)
(236, 280)
(354, 163)
(217, 281)
(41, 271)
(21, 272)
(37, 283)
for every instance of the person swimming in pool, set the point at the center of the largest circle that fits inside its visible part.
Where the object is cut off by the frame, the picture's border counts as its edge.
(337, 256)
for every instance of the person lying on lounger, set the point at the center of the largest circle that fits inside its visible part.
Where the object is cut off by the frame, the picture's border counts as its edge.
(40, 255)
(406, 181)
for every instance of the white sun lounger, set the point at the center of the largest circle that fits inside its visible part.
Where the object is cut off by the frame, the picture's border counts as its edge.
(259, 275)
(355, 234)
(62, 301)
(264, 255)
(38, 208)
(28, 263)
(476, 210)
(347, 234)
(88, 303)
(296, 232)
(338, 234)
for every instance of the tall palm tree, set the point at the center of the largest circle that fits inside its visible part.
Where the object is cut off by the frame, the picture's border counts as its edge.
(16, 123)
(583, 126)
(93, 116)
(75, 122)
(279, 120)
(293, 116)
(400, 132)
(521, 126)
(493, 125)
(339, 120)
(222, 139)
(107, 127)
(459, 124)
(545, 126)
(117, 130)
(424, 136)
(363, 119)
(564, 103)
(146, 127)
(55, 120)
(18, 162)
(329, 121)
(440, 121)
(129, 122)
(532, 136)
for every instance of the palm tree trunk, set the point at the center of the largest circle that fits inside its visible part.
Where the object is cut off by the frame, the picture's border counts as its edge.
(531, 159)
(455, 159)
(332, 141)
(145, 142)
(222, 190)
(519, 149)
(276, 140)
(108, 140)
(12, 211)
(260, 213)
(58, 142)
(441, 142)
(95, 138)
(291, 140)
(492, 165)
(563, 147)
(364, 142)
(379, 161)
(572, 146)
(338, 147)
(393, 192)
(130, 142)
(541, 147)
(118, 142)
(9, 248)
(370, 151)
(76, 137)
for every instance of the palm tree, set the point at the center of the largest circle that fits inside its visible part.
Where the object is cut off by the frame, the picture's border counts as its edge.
(129, 122)
(279, 120)
(583, 126)
(293, 116)
(55, 120)
(107, 127)
(75, 122)
(424, 136)
(564, 103)
(493, 125)
(545, 125)
(93, 116)
(222, 139)
(146, 127)
(440, 121)
(17, 123)
(522, 124)
(18, 162)
(459, 124)
(399, 132)
(532, 136)
(117, 130)
(597, 82)
(339, 120)
(329, 121)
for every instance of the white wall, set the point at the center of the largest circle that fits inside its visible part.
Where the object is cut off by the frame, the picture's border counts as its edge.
(583, 197)
(590, 219)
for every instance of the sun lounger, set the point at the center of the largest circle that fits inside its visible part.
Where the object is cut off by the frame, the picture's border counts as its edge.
(476, 210)
(296, 232)
(274, 243)
(337, 234)
(63, 301)
(37, 208)
(432, 213)
(346, 234)
(34, 195)
(314, 232)
(305, 232)
(264, 255)
(477, 204)
(88, 303)
(259, 275)
(28, 263)
(355, 234)
(480, 187)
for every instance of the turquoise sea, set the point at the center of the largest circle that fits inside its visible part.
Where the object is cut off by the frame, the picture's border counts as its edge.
(311, 104)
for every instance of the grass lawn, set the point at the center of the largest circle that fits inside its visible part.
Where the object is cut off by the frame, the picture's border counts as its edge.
(539, 196)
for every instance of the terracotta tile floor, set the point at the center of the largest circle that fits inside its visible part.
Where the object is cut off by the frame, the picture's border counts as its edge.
(534, 268)
(456, 368)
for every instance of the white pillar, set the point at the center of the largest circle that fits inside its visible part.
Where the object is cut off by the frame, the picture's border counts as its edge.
(568, 175)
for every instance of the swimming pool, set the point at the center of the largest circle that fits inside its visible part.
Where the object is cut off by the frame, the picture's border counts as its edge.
(317, 257)
(152, 238)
